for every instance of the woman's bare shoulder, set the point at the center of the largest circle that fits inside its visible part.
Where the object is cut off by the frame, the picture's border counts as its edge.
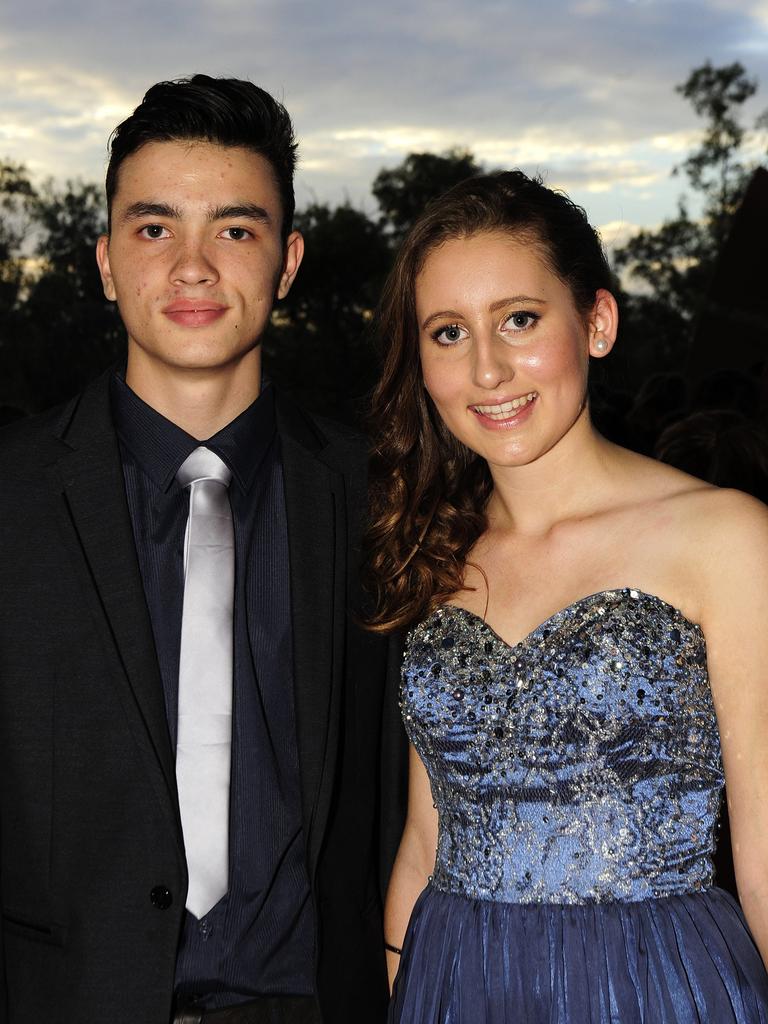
(646, 481)
(723, 540)
(704, 503)
(723, 514)
(701, 529)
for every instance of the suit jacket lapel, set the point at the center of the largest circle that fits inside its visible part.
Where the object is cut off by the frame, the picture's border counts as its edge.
(316, 541)
(90, 478)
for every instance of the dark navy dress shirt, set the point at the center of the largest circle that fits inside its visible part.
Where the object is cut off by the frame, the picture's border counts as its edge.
(259, 938)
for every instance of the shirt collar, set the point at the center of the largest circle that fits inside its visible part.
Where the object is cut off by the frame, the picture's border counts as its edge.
(160, 446)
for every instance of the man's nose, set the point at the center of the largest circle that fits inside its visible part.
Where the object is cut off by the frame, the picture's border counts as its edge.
(193, 265)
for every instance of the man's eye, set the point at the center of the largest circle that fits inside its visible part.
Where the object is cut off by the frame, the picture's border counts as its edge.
(155, 231)
(236, 234)
(449, 335)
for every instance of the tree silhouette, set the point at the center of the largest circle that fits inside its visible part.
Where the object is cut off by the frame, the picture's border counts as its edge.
(675, 262)
(16, 195)
(60, 330)
(714, 168)
(318, 347)
(402, 192)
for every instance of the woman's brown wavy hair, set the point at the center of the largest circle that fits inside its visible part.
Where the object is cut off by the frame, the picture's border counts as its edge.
(428, 491)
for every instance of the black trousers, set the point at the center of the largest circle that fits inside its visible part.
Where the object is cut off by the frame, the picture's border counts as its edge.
(264, 1010)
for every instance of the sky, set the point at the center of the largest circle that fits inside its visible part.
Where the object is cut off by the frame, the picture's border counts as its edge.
(581, 91)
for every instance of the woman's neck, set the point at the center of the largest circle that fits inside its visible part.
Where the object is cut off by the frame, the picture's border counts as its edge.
(569, 480)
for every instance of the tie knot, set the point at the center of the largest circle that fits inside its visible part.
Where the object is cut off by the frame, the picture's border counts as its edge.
(203, 464)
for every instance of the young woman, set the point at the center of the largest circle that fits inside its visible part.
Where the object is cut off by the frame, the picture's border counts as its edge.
(587, 635)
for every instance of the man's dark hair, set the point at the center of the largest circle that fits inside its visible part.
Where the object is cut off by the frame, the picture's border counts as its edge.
(226, 111)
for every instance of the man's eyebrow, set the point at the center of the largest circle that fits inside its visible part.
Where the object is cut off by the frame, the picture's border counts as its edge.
(238, 211)
(141, 209)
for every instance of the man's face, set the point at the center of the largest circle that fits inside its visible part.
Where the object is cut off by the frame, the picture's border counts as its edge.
(196, 257)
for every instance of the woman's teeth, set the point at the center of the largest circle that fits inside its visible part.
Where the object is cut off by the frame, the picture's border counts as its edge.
(504, 410)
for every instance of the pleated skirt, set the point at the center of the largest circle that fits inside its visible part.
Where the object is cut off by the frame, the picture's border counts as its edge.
(686, 959)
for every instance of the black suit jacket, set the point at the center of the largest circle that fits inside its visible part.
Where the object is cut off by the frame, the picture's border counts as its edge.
(92, 869)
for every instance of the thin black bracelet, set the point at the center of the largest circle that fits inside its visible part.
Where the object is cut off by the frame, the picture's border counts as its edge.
(393, 949)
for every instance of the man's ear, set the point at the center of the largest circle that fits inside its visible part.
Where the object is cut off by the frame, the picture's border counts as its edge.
(102, 259)
(603, 324)
(293, 255)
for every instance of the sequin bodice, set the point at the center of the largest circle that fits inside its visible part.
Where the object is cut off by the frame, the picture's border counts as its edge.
(582, 764)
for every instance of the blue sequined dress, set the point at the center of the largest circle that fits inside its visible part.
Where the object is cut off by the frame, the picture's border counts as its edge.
(577, 778)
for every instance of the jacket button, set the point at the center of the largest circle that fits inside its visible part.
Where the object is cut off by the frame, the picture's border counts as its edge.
(161, 897)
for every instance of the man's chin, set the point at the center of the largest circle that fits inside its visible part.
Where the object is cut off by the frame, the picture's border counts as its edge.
(192, 358)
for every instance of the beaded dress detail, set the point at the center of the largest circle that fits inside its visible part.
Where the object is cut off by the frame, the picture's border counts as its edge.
(577, 777)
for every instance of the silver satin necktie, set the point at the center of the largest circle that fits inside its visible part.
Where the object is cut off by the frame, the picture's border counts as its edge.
(204, 741)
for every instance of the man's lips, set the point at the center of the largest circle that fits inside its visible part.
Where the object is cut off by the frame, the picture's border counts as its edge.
(191, 313)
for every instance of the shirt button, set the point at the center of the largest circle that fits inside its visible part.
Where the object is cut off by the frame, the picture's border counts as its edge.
(161, 897)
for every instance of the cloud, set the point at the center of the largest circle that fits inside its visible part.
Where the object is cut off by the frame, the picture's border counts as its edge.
(616, 233)
(676, 142)
(582, 89)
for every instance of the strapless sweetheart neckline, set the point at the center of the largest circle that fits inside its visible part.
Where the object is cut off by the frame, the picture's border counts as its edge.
(581, 602)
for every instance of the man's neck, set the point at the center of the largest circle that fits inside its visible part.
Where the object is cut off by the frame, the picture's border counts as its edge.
(200, 400)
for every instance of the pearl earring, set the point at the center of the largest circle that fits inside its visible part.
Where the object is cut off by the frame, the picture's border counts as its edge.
(601, 344)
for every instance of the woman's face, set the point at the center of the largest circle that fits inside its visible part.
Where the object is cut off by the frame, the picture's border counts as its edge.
(504, 351)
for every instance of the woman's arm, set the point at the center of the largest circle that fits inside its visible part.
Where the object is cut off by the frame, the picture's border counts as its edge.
(735, 623)
(414, 862)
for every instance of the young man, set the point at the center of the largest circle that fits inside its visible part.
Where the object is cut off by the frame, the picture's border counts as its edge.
(193, 730)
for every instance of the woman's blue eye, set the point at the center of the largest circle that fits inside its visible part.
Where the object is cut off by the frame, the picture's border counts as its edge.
(522, 320)
(448, 335)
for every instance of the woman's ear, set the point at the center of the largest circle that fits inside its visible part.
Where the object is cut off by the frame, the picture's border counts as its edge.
(603, 324)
